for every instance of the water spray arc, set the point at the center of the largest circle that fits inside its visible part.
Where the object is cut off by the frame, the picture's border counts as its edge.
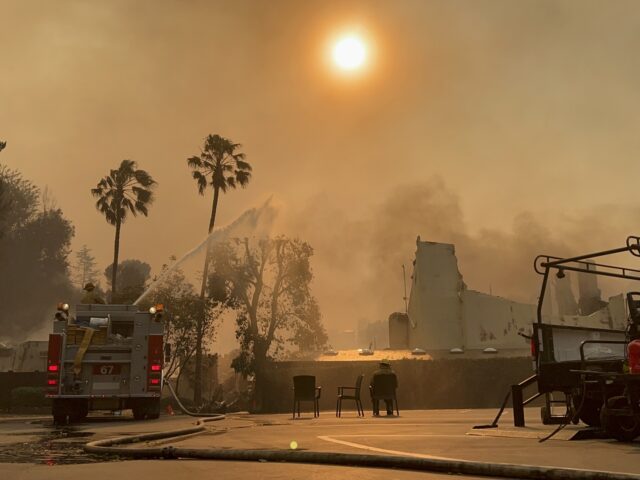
(253, 222)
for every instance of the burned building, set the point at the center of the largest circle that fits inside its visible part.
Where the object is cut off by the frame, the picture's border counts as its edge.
(30, 356)
(444, 314)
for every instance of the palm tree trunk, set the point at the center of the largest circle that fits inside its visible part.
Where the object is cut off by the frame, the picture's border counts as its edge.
(197, 388)
(116, 251)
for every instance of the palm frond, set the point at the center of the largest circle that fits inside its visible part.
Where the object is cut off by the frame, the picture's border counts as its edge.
(194, 162)
(201, 181)
(127, 168)
(128, 206)
(142, 208)
(242, 165)
(104, 207)
(243, 177)
(143, 195)
(144, 179)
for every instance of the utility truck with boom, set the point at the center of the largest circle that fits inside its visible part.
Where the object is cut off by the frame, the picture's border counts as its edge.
(595, 370)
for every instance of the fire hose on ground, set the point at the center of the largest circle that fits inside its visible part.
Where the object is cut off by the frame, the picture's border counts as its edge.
(114, 446)
(214, 416)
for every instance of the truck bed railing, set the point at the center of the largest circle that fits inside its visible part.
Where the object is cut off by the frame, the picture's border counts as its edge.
(544, 263)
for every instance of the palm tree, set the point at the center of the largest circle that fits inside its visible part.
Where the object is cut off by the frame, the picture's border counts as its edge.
(125, 190)
(222, 167)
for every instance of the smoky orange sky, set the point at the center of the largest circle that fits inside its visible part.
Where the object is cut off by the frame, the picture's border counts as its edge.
(508, 128)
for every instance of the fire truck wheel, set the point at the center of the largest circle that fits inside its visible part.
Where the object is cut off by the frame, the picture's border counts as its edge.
(60, 418)
(146, 408)
(80, 412)
(60, 412)
(153, 409)
(623, 428)
(139, 412)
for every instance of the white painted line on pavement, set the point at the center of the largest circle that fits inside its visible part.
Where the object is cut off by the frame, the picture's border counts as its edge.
(376, 424)
(382, 450)
(397, 435)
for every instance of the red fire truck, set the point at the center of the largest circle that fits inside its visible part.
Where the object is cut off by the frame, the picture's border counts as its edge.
(106, 357)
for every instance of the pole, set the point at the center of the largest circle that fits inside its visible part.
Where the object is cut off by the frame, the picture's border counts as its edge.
(404, 279)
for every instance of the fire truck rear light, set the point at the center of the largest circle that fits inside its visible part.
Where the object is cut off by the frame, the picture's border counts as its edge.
(633, 355)
(154, 381)
(156, 367)
(52, 382)
(53, 368)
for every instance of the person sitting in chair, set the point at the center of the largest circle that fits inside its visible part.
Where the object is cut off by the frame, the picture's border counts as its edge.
(384, 383)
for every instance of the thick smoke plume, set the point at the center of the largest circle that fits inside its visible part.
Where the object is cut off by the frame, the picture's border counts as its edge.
(358, 262)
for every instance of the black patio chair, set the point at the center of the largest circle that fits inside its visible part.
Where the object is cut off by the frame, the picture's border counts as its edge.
(305, 390)
(384, 388)
(354, 396)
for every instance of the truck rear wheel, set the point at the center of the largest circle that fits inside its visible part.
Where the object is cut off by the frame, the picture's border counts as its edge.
(139, 414)
(68, 410)
(589, 409)
(60, 411)
(624, 428)
(60, 418)
(146, 409)
(80, 411)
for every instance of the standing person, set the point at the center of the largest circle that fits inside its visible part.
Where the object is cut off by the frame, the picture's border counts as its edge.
(91, 296)
(384, 383)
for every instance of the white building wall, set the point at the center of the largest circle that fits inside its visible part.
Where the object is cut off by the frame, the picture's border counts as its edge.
(443, 314)
(614, 315)
(435, 306)
(495, 322)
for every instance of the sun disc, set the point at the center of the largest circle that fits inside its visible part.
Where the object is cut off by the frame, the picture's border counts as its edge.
(349, 53)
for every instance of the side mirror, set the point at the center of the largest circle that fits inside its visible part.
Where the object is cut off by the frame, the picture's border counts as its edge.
(167, 352)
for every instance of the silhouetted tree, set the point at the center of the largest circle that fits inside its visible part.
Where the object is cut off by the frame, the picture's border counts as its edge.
(85, 267)
(33, 258)
(222, 167)
(133, 276)
(4, 202)
(183, 307)
(125, 190)
(270, 284)
(5, 205)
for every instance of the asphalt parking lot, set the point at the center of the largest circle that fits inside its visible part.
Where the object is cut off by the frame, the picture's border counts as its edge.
(30, 448)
